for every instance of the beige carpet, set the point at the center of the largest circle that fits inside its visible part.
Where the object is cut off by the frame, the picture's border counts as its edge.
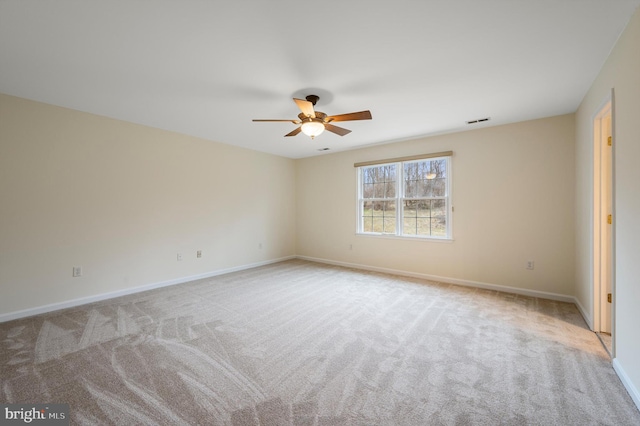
(299, 343)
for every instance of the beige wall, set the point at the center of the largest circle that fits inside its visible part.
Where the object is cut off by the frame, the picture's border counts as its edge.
(121, 200)
(622, 73)
(513, 198)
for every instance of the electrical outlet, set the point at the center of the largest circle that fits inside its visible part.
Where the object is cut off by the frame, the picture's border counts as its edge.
(179, 256)
(350, 246)
(530, 264)
(77, 271)
(199, 254)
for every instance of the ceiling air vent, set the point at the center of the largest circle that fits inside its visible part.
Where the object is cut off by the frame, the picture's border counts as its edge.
(479, 120)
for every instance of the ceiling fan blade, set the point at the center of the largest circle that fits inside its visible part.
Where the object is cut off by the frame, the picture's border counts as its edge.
(306, 107)
(278, 121)
(294, 132)
(362, 115)
(335, 129)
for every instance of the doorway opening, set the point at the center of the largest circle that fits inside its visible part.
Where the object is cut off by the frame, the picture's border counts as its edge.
(603, 227)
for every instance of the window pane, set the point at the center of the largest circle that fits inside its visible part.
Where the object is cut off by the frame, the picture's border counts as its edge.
(439, 227)
(367, 208)
(390, 172)
(410, 188)
(411, 179)
(368, 213)
(423, 188)
(379, 190)
(424, 208)
(410, 208)
(439, 218)
(377, 173)
(379, 216)
(379, 182)
(377, 209)
(409, 226)
(367, 190)
(425, 217)
(424, 226)
(438, 187)
(438, 208)
(382, 208)
(417, 208)
(425, 178)
(389, 225)
(389, 213)
(390, 190)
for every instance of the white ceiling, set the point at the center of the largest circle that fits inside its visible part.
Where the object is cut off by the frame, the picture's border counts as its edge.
(206, 68)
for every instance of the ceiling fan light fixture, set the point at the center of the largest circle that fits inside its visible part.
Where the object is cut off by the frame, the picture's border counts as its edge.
(312, 128)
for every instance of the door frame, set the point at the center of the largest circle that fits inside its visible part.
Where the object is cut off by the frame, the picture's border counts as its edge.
(600, 248)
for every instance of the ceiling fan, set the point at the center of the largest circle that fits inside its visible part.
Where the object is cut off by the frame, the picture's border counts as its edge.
(312, 122)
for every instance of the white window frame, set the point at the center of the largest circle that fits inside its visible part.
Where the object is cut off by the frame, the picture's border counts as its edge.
(400, 198)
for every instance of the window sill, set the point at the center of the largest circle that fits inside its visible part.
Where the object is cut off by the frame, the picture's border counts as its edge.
(406, 238)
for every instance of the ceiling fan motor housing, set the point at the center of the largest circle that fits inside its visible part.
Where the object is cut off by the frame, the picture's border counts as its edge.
(313, 99)
(319, 115)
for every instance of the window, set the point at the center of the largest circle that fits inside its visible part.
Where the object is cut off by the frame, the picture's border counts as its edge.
(406, 197)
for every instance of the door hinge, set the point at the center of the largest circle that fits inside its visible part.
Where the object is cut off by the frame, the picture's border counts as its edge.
(609, 220)
(609, 297)
(609, 141)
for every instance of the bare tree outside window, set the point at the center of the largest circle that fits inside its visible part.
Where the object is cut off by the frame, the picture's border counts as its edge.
(425, 185)
(379, 206)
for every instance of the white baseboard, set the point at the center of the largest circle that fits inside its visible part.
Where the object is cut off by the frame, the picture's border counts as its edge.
(626, 381)
(587, 318)
(457, 281)
(104, 296)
